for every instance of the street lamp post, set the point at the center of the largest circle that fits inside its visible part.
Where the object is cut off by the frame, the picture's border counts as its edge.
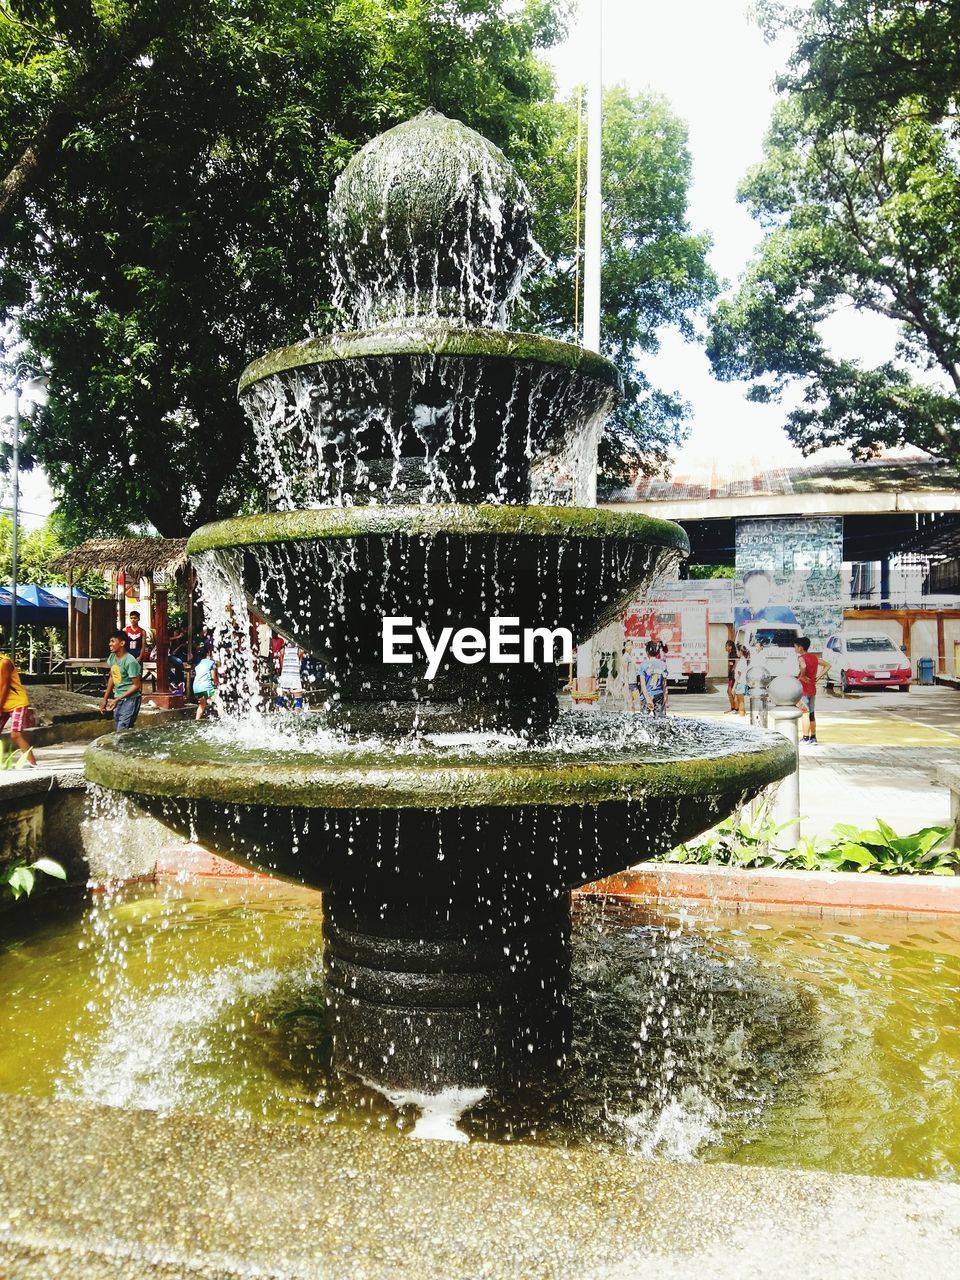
(14, 540)
(36, 389)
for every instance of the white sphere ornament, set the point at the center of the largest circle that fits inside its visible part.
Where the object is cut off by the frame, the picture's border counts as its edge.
(785, 690)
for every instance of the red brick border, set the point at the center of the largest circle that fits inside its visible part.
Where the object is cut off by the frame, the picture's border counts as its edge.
(786, 890)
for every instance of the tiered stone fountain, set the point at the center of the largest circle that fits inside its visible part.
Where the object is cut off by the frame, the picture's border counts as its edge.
(435, 466)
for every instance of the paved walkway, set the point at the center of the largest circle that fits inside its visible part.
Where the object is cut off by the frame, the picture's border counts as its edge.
(877, 757)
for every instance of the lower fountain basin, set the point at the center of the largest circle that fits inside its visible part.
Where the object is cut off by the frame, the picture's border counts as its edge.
(592, 796)
(445, 860)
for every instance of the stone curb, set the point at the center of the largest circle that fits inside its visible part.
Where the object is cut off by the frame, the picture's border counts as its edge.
(811, 891)
(94, 1192)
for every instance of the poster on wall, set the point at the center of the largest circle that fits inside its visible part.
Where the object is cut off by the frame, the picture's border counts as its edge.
(789, 573)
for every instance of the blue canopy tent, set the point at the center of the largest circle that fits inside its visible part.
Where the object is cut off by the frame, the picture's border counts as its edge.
(37, 606)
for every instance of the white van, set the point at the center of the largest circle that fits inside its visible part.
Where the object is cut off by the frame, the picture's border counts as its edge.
(771, 645)
(866, 661)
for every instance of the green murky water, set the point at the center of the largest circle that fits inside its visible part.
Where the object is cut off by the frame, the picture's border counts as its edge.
(776, 1040)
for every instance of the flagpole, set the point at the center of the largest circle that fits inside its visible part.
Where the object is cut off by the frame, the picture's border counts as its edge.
(592, 237)
(592, 233)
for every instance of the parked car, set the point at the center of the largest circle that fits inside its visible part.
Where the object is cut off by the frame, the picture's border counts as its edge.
(771, 644)
(863, 661)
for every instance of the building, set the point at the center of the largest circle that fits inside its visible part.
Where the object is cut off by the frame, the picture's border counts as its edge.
(876, 542)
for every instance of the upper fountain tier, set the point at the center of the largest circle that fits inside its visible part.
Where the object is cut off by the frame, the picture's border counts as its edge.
(430, 399)
(429, 220)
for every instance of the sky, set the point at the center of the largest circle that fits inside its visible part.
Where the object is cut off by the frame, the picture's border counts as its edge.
(711, 63)
(36, 500)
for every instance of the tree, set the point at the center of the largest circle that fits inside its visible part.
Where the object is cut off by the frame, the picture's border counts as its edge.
(655, 272)
(860, 191)
(36, 549)
(165, 217)
(854, 59)
(177, 229)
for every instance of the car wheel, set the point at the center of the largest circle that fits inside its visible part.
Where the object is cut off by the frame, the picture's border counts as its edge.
(904, 688)
(845, 685)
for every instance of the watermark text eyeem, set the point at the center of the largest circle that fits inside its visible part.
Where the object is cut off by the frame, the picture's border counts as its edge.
(503, 643)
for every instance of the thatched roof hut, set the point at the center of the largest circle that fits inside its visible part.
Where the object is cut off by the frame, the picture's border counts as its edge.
(135, 557)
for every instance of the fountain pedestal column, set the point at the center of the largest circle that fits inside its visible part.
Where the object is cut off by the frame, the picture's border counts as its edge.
(437, 991)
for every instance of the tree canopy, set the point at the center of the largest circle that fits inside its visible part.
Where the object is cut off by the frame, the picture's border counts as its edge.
(164, 174)
(859, 190)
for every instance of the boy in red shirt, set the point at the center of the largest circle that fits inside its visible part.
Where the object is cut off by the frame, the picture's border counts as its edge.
(810, 666)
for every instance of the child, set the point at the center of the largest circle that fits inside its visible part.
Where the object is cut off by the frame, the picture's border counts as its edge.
(653, 679)
(206, 678)
(290, 680)
(15, 708)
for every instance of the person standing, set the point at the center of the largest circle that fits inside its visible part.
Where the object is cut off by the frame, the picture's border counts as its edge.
(138, 640)
(653, 680)
(15, 709)
(810, 666)
(731, 677)
(205, 681)
(740, 679)
(290, 680)
(125, 683)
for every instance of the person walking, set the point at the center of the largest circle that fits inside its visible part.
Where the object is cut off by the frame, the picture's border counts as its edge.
(652, 674)
(15, 709)
(124, 684)
(810, 666)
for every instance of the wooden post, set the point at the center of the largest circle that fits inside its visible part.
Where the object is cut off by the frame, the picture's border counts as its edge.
(191, 588)
(161, 639)
(941, 647)
(71, 623)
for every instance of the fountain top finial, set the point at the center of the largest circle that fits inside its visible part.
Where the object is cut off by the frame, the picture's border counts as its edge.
(429, 220)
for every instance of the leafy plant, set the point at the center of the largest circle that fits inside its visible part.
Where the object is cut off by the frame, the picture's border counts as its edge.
(10, 758)
(20, 876)
(740, 842)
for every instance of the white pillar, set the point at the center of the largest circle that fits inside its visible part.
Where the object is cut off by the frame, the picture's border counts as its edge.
(784, 694)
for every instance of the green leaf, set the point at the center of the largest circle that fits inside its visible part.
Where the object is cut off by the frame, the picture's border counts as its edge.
(49, 868)
(21, 880)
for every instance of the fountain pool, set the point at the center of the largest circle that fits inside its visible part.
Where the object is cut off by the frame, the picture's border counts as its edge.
(771, 1040)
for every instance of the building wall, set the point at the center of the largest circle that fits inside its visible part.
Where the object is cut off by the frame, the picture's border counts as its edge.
(719, 634)
(951, 639)
(876, 626)
(923, 640)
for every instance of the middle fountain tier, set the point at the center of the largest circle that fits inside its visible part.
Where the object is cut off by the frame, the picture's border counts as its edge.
(437, 468)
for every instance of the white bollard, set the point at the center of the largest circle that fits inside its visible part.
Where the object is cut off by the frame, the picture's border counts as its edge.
(784, 693)
(758, 677)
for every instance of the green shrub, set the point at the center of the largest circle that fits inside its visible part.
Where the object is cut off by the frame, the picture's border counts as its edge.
(737, 842)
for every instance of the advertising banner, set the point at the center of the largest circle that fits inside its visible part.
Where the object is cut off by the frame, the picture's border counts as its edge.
(681, 625)
(789, 572)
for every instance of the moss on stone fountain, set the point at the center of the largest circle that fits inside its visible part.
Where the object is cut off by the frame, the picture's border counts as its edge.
(442, 518)
(375, 780)
(432, 338)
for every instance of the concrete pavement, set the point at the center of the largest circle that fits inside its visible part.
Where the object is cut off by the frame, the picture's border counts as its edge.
(877, 757)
